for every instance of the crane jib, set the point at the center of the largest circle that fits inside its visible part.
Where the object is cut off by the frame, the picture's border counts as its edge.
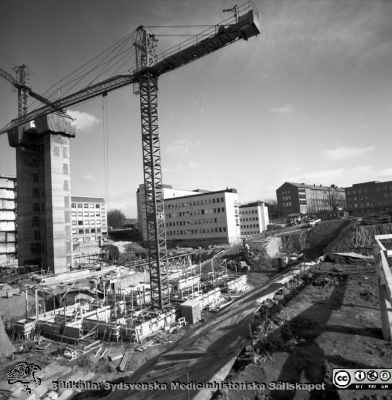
(245, 27)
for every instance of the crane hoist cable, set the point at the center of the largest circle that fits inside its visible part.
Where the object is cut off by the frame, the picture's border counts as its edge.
(105, 146)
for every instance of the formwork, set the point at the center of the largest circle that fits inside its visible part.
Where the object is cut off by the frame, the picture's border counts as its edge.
(237, 284)
(61, 323)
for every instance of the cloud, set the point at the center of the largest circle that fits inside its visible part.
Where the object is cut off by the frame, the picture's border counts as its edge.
(338, 176)
(84, 121)
(181, 146)
(88, 177)
(319, 176)
(344, 153)
(287, 108)
(385, 173)
(194, 164)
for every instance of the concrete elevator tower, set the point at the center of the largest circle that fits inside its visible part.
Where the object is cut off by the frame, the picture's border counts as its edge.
(44, 192)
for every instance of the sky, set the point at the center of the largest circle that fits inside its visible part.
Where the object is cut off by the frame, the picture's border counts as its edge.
(307, 100)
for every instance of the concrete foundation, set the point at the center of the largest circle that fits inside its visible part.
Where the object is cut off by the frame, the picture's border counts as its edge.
(44, 192)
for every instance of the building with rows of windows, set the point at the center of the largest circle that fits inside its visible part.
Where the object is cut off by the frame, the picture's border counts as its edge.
(168, 193)
(89, 227)
(7, 220)
(197, 218)
(368, 197)
(253, 218)
(301, 198)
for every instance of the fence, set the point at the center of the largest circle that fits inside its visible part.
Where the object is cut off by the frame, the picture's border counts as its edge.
(384, 278)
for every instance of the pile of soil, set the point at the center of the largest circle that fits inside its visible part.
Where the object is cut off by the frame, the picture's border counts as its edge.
(358, 238)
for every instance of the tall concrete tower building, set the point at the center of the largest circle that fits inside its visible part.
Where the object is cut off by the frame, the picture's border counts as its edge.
(44, 192)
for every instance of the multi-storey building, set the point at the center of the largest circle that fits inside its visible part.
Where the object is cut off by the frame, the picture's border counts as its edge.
(89, 227)
(301, 198)
(253, 218)
(168, 193)
(7, 220)
(367, 197)
(44, 193)
(199, 218)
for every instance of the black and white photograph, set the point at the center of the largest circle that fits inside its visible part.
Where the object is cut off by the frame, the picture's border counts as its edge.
(195, 199)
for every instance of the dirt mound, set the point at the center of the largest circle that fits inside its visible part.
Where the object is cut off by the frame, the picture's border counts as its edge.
(295, 242)
(358, 238)
(6, 347)
(314, 242)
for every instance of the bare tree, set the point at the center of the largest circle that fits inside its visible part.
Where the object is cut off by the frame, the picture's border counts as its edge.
(116, 218)
(272, 207)
(335, 200)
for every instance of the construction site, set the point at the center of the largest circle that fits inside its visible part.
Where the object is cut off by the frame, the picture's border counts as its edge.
(240, 320)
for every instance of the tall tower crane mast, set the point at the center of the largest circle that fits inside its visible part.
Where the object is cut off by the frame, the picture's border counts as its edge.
(20, 83)
(149, 66)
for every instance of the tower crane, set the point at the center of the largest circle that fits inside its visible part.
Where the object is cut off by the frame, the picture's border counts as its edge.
(24, 90)
(149, 67)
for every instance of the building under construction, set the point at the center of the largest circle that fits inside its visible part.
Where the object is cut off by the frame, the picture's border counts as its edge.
(123, 307)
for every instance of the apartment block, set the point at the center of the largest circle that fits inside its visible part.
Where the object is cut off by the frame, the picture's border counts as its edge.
(301, 198)
(201, 217)
(7, 220)
(89, 226)
(368, 197)
(253, 218)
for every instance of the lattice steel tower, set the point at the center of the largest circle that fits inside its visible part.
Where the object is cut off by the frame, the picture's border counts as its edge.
(147, 87)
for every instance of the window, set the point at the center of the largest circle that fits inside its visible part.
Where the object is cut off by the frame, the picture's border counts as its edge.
(35, 192)
(65, 169)
(36, 207)
(65, 152)
(66, 186)
(56, 151)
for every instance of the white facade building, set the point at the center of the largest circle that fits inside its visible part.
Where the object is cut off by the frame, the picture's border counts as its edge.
(198, 217)
(89, 226)
(7, 220)
(168, 193)
(253, 218)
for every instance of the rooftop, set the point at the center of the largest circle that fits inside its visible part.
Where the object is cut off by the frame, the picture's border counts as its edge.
(314, 186)
(88, 199)
(202, 193)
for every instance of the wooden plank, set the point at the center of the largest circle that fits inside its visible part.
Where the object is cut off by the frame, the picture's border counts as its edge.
(123, 364)
(384, 280)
